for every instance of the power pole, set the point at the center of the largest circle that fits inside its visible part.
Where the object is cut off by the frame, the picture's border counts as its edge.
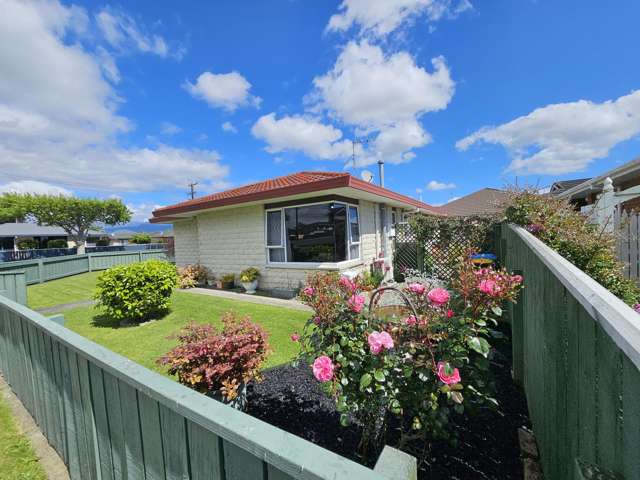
(192, 189)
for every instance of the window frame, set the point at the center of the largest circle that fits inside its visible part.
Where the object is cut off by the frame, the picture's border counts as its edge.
(283, 238)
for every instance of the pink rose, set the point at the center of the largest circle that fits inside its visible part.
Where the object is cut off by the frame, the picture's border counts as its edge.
(490, 287)
(517, 278)
(379, 341)
(295, 337)
(450, 313)
(309, 291)
(438, 296)
(355, 303)
(416, 288)
(348, 284)
(447, 375)
(411, 320)
(636, 307)
(323, 369)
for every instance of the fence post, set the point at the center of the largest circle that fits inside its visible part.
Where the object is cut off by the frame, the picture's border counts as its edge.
(59, 319)
(41, 278)
(140, 256)
(396, 465)
(89, 259)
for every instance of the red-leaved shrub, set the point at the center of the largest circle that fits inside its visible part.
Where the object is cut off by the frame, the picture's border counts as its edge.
(210, 361)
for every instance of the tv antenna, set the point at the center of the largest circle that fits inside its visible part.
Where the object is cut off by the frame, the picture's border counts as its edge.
(192, 189)
(361, 141)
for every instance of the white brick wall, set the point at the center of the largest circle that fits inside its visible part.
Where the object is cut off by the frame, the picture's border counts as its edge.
(186, 242)
(228, 241)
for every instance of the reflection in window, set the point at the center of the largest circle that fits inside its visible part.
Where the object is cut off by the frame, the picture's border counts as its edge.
(326, 232)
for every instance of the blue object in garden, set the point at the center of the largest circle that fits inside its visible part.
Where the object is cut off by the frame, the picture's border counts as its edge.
(483, 258)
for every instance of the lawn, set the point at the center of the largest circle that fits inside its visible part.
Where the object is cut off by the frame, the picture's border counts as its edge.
(65, 290)
(145, 343)
(17, 460)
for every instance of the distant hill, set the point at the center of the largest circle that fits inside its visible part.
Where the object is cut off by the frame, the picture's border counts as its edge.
(139, 227)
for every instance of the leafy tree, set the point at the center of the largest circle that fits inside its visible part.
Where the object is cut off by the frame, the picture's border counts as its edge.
(76, 216)
(11, 208)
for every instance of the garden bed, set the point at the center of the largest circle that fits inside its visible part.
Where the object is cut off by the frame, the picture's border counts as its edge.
(290, 398)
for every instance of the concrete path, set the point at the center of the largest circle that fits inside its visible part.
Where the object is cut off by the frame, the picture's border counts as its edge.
(49, 460)
(276, 302)
(65, 306)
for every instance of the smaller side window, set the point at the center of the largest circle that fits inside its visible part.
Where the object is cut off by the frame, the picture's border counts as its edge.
(275, 231)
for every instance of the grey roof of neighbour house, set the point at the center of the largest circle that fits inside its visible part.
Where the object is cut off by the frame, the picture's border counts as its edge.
(563, 185)
(33, 230)
(482, 202)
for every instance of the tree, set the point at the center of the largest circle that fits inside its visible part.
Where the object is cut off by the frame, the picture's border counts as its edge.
(76, 216)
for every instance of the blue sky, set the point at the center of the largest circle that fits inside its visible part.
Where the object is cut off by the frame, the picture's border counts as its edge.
(137, 99)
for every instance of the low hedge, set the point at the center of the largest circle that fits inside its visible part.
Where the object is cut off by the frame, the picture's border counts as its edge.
(138, 291)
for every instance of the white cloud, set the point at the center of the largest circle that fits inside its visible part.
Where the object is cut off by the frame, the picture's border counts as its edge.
(229, 127)
(142, 212)
(125, 34)
(378, 18)
(435, 185)
(108, 65)
(223, 90)
(30, 186)
(168, 128)
(370, 89)
(564, 137)
(383, 95)
(64, 132)
(304, 134)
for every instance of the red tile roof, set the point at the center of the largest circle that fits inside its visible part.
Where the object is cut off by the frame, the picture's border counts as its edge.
(296, 183)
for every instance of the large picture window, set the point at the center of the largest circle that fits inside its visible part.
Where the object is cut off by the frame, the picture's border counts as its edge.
(317, 233)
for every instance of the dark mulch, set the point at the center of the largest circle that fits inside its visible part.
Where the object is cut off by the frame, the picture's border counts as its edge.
(290, 398)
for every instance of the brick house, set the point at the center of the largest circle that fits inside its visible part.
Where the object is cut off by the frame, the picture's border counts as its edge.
(289, 226)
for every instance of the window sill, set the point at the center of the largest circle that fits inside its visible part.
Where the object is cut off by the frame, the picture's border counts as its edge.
(317, 266)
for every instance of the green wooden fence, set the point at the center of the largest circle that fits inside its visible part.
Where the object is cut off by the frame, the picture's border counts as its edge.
(13, 285)
(576, 351)
(45, 269)
(110, 418)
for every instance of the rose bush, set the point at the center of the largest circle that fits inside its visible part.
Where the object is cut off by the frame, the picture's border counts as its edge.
(420, 369)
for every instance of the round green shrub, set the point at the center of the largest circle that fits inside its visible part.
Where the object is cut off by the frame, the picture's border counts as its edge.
(58, 243)
(138, 291)
(140, 238)
(27, 244)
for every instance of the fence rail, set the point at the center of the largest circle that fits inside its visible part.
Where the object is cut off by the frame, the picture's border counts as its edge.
(110, 418)
(45, 269)
(18, 255)
(576, 349)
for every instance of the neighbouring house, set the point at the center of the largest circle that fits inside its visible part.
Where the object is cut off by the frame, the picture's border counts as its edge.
(616, 190)
(289, 226)
(487, 201)
(11, 233)
(561, 186)
(123, 237)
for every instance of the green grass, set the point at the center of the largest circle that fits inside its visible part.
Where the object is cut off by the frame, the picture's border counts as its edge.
(65, 290)
(145, 343)
(17, 460)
